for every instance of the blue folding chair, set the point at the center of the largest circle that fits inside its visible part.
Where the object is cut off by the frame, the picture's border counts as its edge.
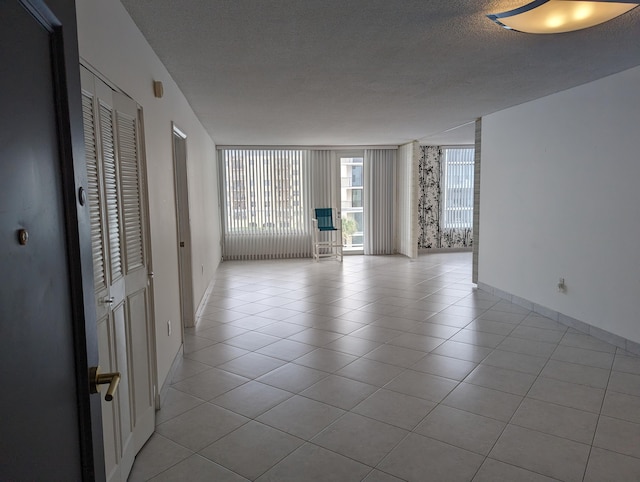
(327, 238)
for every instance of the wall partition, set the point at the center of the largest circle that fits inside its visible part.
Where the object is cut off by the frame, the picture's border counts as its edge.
(560, 200)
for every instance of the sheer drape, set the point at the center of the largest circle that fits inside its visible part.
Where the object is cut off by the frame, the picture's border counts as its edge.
(407, 200)
(379, 198)
(267, 198)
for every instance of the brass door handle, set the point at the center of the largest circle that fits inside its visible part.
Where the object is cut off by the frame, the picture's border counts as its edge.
(96, 379)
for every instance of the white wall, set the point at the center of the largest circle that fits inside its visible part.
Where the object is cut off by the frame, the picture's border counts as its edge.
(110, 42)
(560, 198)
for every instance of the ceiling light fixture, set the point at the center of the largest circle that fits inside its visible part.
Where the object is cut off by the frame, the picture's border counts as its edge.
(559, 16)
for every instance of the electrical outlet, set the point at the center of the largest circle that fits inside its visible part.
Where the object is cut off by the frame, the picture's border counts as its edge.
(169, 328)
(562, 287)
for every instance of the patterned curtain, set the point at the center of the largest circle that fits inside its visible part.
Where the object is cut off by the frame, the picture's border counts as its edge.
(429, 197)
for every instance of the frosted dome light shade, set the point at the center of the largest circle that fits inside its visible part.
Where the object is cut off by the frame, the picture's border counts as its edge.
(559, 16)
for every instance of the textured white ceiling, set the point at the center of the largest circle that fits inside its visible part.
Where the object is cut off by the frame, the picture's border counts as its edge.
(366, 72)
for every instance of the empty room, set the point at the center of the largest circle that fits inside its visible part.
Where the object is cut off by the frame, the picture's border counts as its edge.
(297, 240)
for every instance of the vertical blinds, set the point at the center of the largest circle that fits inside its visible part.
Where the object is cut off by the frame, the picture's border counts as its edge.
(263, 190)
(266, 196)
(457, 187)
(379, 200)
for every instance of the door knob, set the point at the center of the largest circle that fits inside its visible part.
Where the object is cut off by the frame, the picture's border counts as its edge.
(96, 378)
(107, 300)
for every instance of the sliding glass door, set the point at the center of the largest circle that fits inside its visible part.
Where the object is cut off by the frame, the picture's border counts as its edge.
(351, 196)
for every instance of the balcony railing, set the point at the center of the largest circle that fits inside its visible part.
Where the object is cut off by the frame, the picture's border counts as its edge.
(357, 205)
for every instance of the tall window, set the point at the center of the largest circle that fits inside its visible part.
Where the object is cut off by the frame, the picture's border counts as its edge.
(263, 191)
(457, 187)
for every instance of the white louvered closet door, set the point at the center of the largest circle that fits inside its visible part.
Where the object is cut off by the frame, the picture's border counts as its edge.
(120, 272)
(136, 270)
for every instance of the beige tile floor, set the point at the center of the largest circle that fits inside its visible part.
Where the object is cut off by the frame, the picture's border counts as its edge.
(383, 369)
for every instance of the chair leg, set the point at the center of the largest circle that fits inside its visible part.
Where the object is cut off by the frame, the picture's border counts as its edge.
(315, 249)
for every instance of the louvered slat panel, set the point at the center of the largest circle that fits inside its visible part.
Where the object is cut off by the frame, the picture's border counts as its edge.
(93, 192)
(130, 189)
(111, 190)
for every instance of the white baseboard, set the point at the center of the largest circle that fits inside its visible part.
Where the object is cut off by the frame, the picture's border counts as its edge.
(599, 333)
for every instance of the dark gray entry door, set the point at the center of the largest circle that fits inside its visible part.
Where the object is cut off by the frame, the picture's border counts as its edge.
(46, 421)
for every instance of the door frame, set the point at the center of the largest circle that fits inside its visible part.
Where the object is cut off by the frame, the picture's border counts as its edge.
(59, 18)
(183, 226)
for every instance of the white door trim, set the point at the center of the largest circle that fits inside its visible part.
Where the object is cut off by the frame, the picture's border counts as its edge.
(179, 146)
